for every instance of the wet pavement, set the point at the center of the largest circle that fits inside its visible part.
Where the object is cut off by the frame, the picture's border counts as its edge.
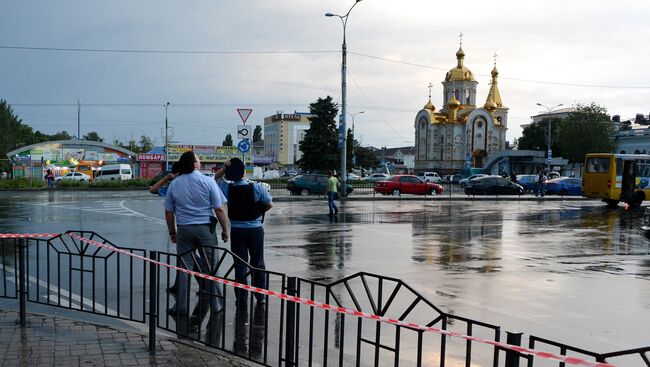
(572, 271)
(56, 341)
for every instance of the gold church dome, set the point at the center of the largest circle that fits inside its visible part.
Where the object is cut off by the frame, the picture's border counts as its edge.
(429, 106)
(453, 103)
(460, 72)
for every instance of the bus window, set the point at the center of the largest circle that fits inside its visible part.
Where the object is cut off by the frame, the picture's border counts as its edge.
(597, 165)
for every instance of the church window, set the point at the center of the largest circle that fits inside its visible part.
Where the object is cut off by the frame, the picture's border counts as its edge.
(622, 152)
(480, 124)
(637, 151)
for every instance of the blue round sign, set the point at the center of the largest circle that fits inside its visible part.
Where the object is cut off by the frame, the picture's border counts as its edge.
(244, 146)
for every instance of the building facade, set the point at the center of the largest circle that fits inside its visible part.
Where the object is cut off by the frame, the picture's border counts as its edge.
(633, 136)
(283, 134)
(460, 134)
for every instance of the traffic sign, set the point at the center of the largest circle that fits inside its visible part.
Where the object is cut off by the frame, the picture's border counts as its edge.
(244, 146)
(243, 132)
(244, 113)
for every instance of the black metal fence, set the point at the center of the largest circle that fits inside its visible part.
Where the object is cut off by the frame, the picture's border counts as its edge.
(69, 273)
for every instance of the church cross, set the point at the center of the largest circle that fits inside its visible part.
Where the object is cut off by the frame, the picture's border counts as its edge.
(430, 86)
(495, 58)
(461, 38)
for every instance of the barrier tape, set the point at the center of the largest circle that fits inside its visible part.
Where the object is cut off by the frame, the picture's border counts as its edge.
(343, 310)
(27, 235)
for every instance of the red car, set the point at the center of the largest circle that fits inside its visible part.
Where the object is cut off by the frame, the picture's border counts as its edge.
(407, 184)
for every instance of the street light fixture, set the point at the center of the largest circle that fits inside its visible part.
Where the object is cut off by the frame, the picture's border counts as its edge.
(166, 140)
(354, 160)
(342, 131)
(550, 152)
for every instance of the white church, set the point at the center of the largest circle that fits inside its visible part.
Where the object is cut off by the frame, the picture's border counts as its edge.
(460, 134)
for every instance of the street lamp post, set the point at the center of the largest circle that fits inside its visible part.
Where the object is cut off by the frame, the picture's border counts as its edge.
(166, 140)
(550, 152)
(343, 150)
(354, 161)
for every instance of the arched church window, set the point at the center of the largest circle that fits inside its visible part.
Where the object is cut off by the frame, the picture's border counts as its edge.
(637, 151)
(622, 151)
(480, 123)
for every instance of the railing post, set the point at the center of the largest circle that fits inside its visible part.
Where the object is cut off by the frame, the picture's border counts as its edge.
(290, 348)
(22, 282)
(512, 357)
(153, 301)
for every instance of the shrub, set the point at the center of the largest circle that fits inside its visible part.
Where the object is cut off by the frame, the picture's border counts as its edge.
(22, 183)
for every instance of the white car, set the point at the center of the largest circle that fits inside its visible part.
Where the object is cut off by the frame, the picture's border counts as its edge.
(75, 176)
(429, 177)
(353, 177)
(463, 183)
(376, 177)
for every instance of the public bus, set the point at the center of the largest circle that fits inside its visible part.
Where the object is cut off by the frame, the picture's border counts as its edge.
(617, 177)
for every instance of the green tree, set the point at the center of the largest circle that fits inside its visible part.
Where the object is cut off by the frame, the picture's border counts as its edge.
(227, 142)
(366, 157)
(146, 144)
(588, 129)
(257, 134)
(535, 136)
(13, 133)
(61, 135)
(319, 146)
(92, 136)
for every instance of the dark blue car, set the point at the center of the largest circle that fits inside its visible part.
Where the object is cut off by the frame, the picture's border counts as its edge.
(528, 182)
(564, 186)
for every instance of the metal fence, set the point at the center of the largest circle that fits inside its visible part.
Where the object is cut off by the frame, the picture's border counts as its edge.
(68, 273)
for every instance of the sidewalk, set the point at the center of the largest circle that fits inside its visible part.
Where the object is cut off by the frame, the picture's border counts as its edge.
(57, 341)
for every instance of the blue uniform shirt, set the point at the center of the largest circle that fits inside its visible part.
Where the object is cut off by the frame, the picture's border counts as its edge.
(193, 197)
(259, 194)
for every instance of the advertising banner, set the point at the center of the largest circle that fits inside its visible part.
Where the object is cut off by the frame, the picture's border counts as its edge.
(207, 153)
(151, 157)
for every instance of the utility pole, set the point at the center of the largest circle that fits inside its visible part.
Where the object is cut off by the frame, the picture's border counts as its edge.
(166, 140)
(78, 119)
(549, 152)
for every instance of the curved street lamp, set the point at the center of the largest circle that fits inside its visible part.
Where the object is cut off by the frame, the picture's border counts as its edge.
(550, 152)
(343, 138)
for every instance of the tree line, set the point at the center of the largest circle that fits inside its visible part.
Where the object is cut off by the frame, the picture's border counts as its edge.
(588, 129)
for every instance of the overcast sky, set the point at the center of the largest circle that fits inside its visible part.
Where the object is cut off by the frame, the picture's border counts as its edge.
(550, 52)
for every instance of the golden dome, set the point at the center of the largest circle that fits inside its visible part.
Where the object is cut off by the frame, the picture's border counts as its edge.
(429, 106)
(490, 105)
(460, 72)
(453, 103)
(495, 72)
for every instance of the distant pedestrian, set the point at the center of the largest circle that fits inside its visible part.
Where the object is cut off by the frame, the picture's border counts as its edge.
(332, 193)
(513, 177)
(541, 184)
(247, 204)
(49, 176)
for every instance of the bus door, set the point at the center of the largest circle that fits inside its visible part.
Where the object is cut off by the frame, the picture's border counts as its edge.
(628, 179)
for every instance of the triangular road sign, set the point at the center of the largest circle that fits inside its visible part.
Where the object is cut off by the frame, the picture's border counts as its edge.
(244, 113)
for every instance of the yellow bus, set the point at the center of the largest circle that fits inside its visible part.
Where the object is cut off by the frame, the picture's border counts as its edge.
(617, 177)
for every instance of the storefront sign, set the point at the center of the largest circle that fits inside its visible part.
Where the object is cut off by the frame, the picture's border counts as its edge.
(206, 153)
(151, 157)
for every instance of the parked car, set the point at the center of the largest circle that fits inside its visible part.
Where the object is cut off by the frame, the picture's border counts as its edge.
(564, 186)
(492, 185)
(429, 177)
(310, 184)
(464, 181)
(271, 174)
(75, 176)
(407, 184)
(376, 177)
(528, 182)
(353, 177)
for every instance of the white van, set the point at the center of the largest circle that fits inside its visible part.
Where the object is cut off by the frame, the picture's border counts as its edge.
(116, 172)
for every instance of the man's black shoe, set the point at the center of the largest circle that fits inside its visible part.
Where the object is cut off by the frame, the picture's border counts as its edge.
(172, 289)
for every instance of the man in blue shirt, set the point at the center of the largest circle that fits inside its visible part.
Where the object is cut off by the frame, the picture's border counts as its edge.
(247, 203)
(191, 202)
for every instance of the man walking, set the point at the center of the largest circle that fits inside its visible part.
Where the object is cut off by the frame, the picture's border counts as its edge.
(191, 202)
(247, 203)
(332, 193)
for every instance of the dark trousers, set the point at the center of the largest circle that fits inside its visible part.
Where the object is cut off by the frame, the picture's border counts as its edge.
(245, 242)
(330, 203)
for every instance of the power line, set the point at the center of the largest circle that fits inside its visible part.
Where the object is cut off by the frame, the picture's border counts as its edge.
(181, 52)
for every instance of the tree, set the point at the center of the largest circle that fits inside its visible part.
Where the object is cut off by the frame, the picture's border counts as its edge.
(588, 129)
(319, 147)
(13, 133)
(257, 134)
(146, 144)
(535, 136)
(92, 136)
(366, 157)
(227, 142)
(61, 135)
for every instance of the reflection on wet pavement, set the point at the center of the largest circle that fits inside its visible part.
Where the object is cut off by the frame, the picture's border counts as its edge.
(575, 271)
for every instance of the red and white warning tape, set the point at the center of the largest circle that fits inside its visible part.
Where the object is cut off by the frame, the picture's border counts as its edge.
(343, 310)
(27, 235)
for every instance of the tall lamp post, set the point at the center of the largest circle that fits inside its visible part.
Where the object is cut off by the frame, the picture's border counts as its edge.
(343, 149)
(166, 140)
(550, 152)
(354, 160)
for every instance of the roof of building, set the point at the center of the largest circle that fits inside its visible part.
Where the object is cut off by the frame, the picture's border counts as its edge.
(73, 142)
